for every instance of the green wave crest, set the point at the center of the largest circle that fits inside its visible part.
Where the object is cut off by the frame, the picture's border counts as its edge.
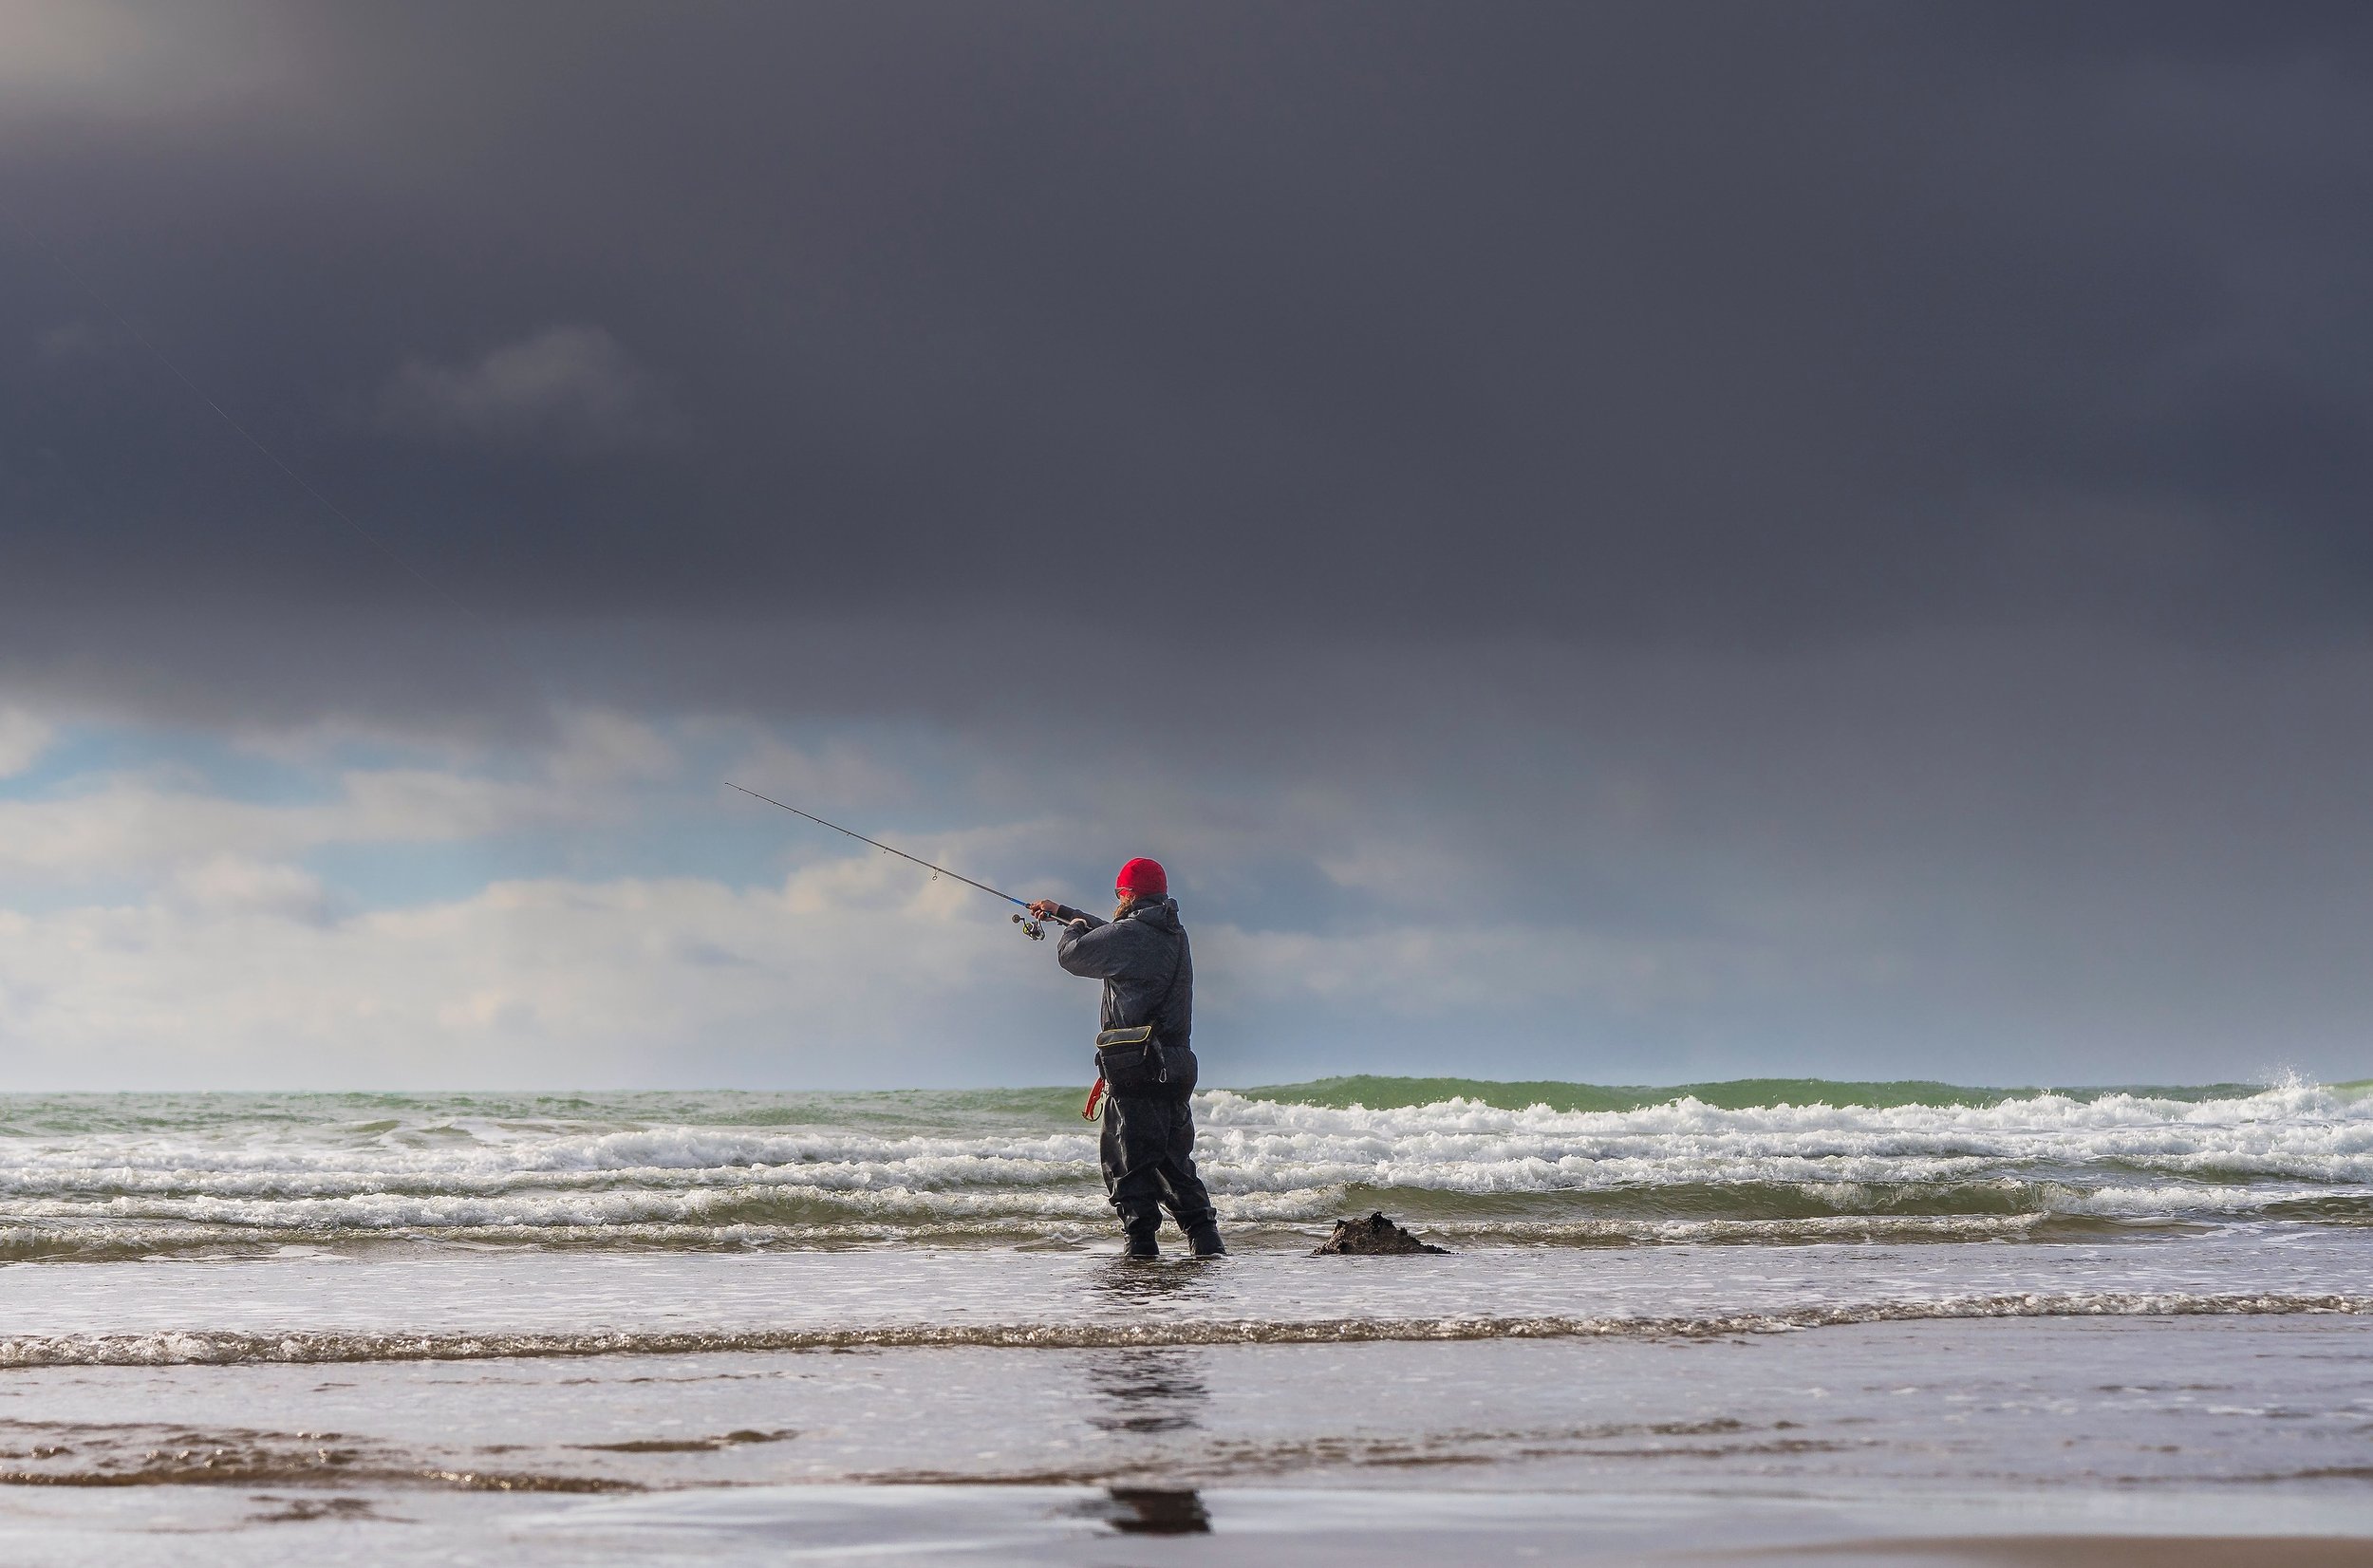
(1377, 1092)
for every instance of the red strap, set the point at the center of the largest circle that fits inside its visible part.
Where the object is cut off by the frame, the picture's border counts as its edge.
(1087, 1111)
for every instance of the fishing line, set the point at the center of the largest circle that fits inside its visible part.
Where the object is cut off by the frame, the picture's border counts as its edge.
(939, 870)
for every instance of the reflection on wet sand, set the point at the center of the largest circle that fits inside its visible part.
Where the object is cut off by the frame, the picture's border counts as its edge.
(1147, 1391)
(1131, 1284)
(1158, 1511)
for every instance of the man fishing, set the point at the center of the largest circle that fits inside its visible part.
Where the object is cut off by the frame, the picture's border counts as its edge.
(1146, 1054)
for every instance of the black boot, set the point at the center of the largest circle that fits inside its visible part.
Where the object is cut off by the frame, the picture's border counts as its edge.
(1204, 1239)
(1141, 1247)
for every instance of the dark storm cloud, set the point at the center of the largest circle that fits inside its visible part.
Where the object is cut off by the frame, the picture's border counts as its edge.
(1855, 510)
(1594, 323)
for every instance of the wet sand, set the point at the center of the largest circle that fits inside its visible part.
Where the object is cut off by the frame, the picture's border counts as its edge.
(2021, 1441)
(973, 1527)
(2079, 1552)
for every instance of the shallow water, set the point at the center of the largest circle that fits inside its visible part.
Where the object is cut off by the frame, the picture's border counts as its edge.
(463, 1302)
(551, 1329)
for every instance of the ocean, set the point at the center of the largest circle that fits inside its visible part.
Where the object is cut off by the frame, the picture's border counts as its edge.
(1740, 1318)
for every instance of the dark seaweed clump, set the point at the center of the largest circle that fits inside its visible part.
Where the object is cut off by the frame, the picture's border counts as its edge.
(1374, 1237)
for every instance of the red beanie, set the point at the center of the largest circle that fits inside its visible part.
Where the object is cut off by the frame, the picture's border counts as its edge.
(1141, 878)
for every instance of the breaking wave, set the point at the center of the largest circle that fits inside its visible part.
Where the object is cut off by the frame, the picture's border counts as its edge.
(95, 1176)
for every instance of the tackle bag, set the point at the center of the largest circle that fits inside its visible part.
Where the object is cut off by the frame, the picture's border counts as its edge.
(1130, 1060)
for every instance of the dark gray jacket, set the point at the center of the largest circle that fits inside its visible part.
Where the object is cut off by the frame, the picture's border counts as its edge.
(1132, 956)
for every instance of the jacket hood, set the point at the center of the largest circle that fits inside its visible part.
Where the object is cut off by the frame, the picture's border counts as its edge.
(1160, 913)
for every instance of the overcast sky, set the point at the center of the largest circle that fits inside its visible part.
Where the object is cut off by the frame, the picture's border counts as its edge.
(1620, 542)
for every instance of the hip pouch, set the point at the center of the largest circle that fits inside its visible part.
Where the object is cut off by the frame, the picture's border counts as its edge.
(1130, 1060)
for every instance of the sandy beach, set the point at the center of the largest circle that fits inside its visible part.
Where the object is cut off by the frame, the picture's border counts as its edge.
(2089, 1552)
(661, 1329)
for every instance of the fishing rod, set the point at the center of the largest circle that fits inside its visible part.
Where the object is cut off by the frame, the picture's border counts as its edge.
(1031, 928)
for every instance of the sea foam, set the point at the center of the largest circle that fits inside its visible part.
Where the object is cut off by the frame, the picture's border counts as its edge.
(101, 1176)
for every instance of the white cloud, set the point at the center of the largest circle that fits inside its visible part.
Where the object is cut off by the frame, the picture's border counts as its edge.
(569, 389)
(108, 56)
(598, 750)
(236, 885)
(135, 825)
(153, 825)
(857, 973)
(24, 737)
(1463, 971)
(1392, 866)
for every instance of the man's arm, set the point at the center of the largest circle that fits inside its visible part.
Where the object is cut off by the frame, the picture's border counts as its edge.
(1090, 946)
(1046, 908)
(1100, 951)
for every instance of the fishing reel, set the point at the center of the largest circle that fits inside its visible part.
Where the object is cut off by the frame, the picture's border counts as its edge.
(1031, 928)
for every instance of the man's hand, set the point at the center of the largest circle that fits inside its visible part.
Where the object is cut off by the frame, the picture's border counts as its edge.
(1044, 908)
